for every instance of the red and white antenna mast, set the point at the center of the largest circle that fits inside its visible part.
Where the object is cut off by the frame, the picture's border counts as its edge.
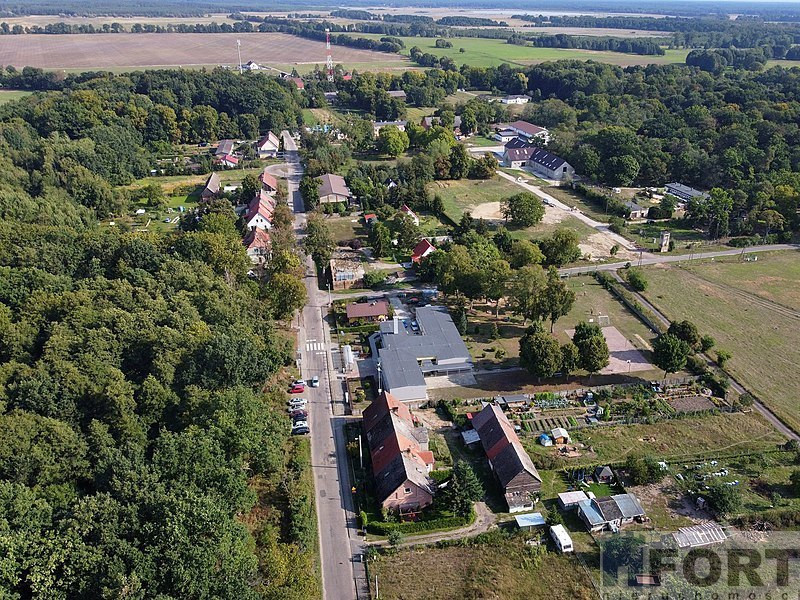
(329, 62)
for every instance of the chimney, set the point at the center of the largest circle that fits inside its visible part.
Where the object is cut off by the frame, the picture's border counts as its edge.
(396, 324)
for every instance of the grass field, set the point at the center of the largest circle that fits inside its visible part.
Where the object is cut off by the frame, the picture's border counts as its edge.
(11, 95)
(498, 569)
(737, 303)
(482, 52)
(465, 194)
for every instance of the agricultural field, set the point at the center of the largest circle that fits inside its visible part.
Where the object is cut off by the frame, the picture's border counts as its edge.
(11, 95)
(733, 302)
(499, 567)
(482, 52)
(126, 51)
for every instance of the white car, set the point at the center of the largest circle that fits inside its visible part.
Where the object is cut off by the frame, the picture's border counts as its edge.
(300, 424)
(295, 404)
(315, 381)
(299, 382)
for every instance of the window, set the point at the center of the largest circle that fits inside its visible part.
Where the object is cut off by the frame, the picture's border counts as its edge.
(407, 490)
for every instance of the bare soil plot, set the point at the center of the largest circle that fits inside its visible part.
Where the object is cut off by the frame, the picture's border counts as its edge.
(624, 357)
(93, 51)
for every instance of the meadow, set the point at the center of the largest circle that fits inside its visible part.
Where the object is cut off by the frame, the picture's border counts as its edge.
(751, 309)
(11, 95)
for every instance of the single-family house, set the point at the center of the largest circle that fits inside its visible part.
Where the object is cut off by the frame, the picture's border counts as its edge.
(251, 66)
(504, 135)
(540, 161)
(561, 538)
(610, 512)
(515, 99)
(401, 461)
(604, 474)
(269, 183)
(406, 210)
(258, 245)
(224, 148)
(375, 310)
(259, 212)
(400, 94)
(406, 357)
(298, 82)
(378, 125)
(421, 250)
(684, 192)
(512, 401)
(571, 500)
(698, 536)
(333, 189)
(635, 211)
(331, 97)
(211, 189)
(512, 466)
(428, 122)
(529, 130)
(560, 435)
(346, 270)
(268, 146)
(229, 161)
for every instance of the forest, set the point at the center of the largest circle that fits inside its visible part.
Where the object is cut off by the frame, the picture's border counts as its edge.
(144, 444)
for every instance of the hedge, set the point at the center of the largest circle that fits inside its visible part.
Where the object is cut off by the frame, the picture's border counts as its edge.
(420, 526)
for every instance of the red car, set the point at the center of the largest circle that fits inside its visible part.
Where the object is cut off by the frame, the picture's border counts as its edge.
(297, 389)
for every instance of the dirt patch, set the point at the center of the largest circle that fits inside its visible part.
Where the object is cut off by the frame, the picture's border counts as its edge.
(490, 211)
(553, 215)
(669, 506)
(598, 246)
(624, 357)
(691, 404)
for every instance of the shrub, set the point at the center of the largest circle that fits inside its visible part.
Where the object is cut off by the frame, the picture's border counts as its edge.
(616, 224)
(636, 279)
(395, 537)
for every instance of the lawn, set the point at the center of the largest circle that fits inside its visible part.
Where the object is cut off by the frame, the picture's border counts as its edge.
(573, 198)
(762, 335)
(482, 52)
(465, 194)
(11, 95)
(499, 567)
(346, 228)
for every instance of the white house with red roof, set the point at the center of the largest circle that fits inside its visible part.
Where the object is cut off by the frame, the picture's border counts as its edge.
(258, 246)
(529, 130)
(259, 212)
(269, 183)
(268, 146)
(406, 210)
(227, 160)
(421, 250)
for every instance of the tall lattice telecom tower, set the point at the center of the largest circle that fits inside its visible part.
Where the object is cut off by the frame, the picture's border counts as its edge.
(329, 62)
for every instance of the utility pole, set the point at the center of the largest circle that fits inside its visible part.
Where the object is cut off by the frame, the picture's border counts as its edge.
(360, 453)
(239, 51)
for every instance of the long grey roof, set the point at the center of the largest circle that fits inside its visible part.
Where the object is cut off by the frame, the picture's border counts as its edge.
(538, 155)
(404, 356)
(685, 189)
(332, 184)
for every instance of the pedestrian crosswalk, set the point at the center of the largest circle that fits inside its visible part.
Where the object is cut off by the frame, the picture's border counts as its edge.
(314, 345)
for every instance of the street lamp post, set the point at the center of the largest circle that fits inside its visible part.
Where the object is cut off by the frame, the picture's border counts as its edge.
(330, 300)
(629, 365)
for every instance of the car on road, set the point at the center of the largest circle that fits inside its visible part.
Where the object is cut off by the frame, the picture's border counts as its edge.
(314, 381)
(297, 389)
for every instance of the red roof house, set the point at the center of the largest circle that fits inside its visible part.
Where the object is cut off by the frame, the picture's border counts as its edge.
(421, 250)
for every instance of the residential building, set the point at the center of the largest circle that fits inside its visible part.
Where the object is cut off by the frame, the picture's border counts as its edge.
(332, 189)
(251, 66)
(378, 125)
(346, 270)
(428, 122)
(529, 130)
(406, 210)
(635, 211)
(510, 463)
(258, 245)
(515, 99)
(684, 192)
(211, 189)
(571, 500)
(561, 538)
(375, 310)
(540, 161)
(405, 358)
(401, 461)
(610, 512)
(269, 183)
(259, 212)
(298, 82)
(504, 135)
(421, 250)
(397, 94)
(224, 148)
(268, 146)
(518, 142)
(228, 161)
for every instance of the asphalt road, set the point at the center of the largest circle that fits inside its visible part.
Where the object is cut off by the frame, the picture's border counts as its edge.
(336, 524)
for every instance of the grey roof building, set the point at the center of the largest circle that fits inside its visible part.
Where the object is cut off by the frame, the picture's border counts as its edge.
(684, 192)
(610, 512)
(406, 357)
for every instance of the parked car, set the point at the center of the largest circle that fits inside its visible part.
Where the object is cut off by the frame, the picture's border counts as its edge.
(298, 406)
(301, 430)
(298, 414)
(315, 381)
(297, 389)
(299, 382)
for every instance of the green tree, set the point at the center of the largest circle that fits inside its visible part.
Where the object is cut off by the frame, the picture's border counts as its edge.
(523, 209)
(636, 279)
(686, 331)
(557, 298)
(463, 488)
(723, 499)
(622, 170)
(539, 352)
(286, 295)
(560, 248)
(723, 356)
(592, 347)
(309, 190)
(319, 242)
(380, 238)
(524, 253)
(570, 358)
(794, 480)
(495, 282)
(392, 141)
(406, 231)
(670, 353)
(526, 288)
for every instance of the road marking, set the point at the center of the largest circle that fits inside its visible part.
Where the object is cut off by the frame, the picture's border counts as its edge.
(320, 353)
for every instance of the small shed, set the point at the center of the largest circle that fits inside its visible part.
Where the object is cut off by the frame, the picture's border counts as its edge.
(470, 436)
(570, 500)
(512, 401)
(530, 521)
(560, 435)
(604, 474)
(545, 440)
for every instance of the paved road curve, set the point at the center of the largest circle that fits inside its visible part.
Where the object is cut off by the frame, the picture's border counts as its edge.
(335, 519)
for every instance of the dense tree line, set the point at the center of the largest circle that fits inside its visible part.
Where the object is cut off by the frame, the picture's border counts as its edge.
(463, 21)
(626, 45)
